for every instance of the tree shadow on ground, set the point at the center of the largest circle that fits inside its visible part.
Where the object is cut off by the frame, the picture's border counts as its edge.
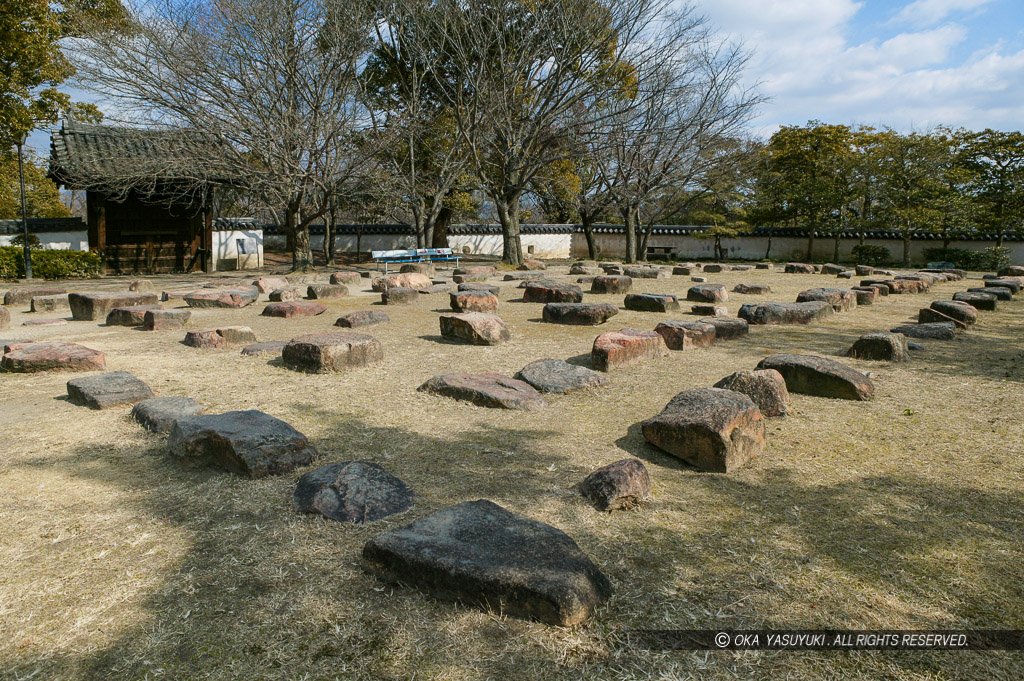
(261, 591)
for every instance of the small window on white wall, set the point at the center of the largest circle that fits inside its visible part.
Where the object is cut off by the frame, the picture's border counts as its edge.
(529, 249)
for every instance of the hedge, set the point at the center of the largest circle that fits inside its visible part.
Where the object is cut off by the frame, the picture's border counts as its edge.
(991, 258)
(49, 264)
(871, 255)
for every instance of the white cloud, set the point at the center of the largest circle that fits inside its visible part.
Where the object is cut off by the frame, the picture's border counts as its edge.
(811, 68)
(931, 12)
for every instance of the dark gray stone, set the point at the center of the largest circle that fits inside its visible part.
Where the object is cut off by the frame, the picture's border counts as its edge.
(765, 388)
(579, 314)
(332, 351)
(486, 390)
(558, 376)
(96, 306)
(481, 553)
(820, 376)
(352, 492)
(964, 313)
(618, 486)
(552, 292)
(1000, 292)
(981, 301)
(933, 331)
(651, 302)
(785, 313)
(880, 346)
(249, 443)
(158, 414)
(108, 390)
(359, 318)
(707, 293)
(267, 348)
(710, 428)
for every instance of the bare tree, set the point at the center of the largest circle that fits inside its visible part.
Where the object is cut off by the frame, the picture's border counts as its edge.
(269, 88)
(660, 137)
(424, 152)
(515, 75)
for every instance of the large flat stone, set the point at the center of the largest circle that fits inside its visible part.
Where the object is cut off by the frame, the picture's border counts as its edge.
(647, 272)
(933, 331)
(23, 296)
(264, 348)
(481, 553)
(611, 283)
(326, 291)
(651, 302)
(133, 315)
(29, 358)
(841, 299)
(50, 303)
(880, 346)
(249, 443)
(710, 428)
(686, 335)
(332, 351)
(478, 328)
(232, 298)
(707, 293)
(579, 314)
(785, 313)
(486, 390)
(926, 315)
(625, 347)
(158, 414)
(96, 306)
(359, 318)
(163, 320)
(765, 388)
(294, 308)
(981, 301)
(414, 280)
(960, 311)
(269, 284)
(545, 291)
(558, 376)
(473, 301)
(108, 390)
(352, 492)
(820, 376)
(727, 328)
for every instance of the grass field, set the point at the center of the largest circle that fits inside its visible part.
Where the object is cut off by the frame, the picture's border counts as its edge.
(900, 513)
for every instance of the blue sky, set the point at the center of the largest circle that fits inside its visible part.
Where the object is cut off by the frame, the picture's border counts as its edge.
(909, 64)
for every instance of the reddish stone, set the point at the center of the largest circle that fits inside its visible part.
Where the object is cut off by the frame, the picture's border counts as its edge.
(414, 280)
(399, 295)
(617, 349)
(929, 316)
(531, 264)
(21, 296)
(618, 486)
(346, 278)
(283, 295)
(27, 358)
(686, 335)
(294, 308)
(164, 320)
(332, 351)
(486, 390)
(611, 284)
(94, 306)
(473, 301)
(477, 328)
(133, 315)
(268, 284)
(707, 293)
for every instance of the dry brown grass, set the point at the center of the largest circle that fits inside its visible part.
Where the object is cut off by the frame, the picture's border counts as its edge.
(904, 512)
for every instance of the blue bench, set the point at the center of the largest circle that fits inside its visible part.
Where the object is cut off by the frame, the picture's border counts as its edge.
(413, 255)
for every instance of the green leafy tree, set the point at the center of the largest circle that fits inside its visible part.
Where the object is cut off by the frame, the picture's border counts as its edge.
(997, 161)
(42, 198)
(910, 183)
(32, 65)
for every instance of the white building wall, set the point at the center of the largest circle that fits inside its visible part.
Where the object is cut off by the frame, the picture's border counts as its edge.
(64, 241)
(228, 255)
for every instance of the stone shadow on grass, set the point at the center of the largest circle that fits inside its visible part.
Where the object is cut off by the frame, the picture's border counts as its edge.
(261, 591)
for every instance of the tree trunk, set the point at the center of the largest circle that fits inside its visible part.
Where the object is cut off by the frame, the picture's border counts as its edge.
(810, 245)
(418, 224)
(440, 235)
(302, 254)
(999, 239)
(767, 252)
(645, 234)
(512, 246)
(588, 231)
(835, 248)
(630, 225)
(906, 250)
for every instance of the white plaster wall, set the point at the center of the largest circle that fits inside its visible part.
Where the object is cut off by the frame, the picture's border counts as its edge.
(225, 249)
(783, 248)
(65, 241)
(545, 246)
